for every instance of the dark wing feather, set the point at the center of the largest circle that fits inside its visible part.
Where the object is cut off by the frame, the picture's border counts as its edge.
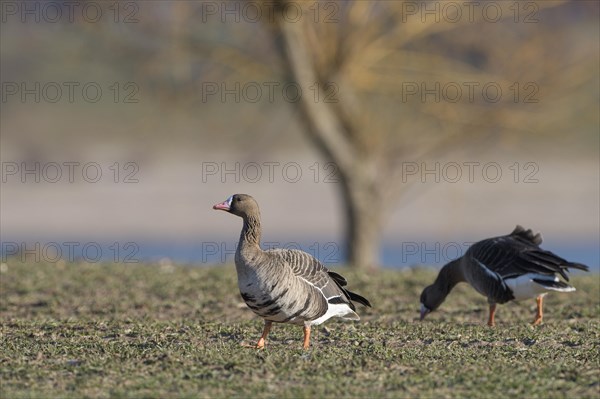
(341, 280)
(519, 253)
(358, 298)
(527, 235)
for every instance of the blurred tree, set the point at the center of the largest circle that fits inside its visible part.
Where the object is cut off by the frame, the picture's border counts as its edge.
(369, 58)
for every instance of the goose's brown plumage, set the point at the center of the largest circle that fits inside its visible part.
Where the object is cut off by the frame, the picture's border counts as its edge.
(285, 286)
(503, 269)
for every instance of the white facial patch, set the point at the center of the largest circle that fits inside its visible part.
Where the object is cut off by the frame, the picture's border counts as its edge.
(229, 200)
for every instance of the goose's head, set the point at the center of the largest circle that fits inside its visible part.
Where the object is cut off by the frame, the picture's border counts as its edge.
(241, 205)
(431, 299)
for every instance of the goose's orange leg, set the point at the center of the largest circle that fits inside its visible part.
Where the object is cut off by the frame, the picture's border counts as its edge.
(540, 314)
(261, 342)
(491, 321)
(306, 337)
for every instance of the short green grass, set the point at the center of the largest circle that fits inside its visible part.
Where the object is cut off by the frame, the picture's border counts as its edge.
(113, 330)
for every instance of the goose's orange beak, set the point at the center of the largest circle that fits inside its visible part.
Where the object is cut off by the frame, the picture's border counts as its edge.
(224, 206)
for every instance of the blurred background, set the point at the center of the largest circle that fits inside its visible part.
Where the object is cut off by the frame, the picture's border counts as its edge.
(370, 133)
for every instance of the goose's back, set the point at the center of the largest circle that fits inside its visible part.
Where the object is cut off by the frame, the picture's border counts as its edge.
(517, 254)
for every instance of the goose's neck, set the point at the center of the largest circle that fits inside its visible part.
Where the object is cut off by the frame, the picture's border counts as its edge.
(250, 236)
(450, 275)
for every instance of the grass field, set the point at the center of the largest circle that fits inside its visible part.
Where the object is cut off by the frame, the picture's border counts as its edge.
(81, 330)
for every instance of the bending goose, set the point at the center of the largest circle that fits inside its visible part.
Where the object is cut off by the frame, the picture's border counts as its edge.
(285, 285)
(511, 267)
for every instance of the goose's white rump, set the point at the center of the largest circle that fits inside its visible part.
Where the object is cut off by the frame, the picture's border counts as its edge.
(524, 287)
(336, 310)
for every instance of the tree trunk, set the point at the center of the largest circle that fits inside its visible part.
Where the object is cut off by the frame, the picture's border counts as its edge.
(364, 220)
(328, 126)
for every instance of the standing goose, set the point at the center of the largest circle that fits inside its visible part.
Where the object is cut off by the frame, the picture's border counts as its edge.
(285, 285)
(511, 267)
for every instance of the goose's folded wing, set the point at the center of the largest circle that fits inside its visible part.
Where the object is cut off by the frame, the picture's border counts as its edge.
(310, 270)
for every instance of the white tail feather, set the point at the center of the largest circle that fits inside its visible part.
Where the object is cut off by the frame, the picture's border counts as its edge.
(337, 310)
